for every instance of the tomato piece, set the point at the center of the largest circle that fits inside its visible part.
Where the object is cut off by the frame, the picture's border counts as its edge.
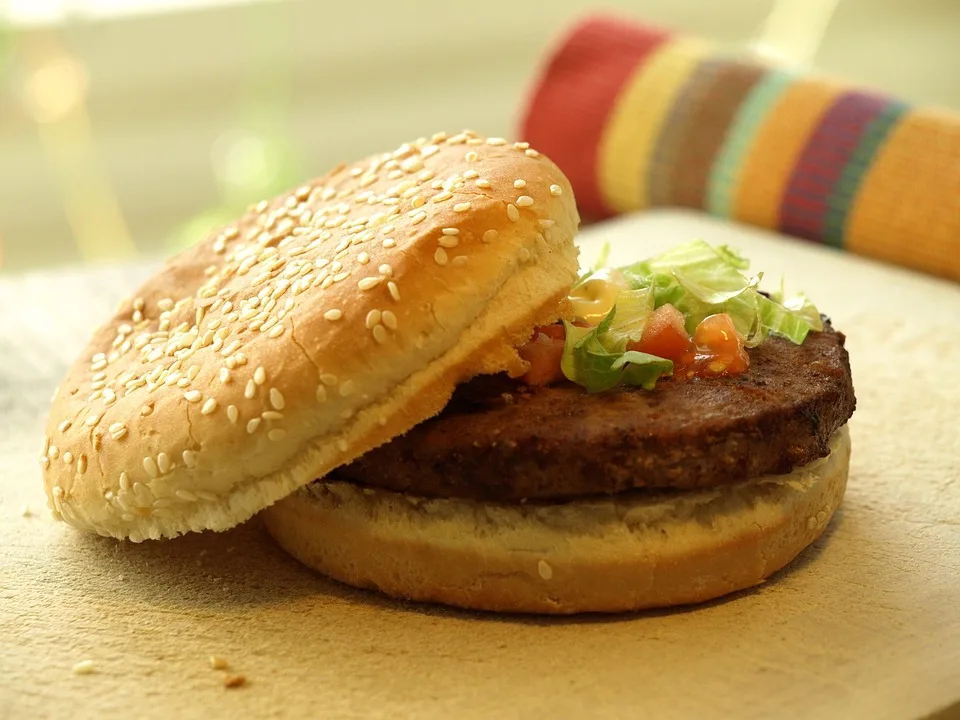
(664, 335)
(544, 354)
(720, 348)
(556, 331)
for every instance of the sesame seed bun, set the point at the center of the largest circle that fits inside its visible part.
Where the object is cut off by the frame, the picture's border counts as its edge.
(320, 325)
(628, 552)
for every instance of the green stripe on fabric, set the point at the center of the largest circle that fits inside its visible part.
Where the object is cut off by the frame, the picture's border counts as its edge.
(844, 192)
(736, 146)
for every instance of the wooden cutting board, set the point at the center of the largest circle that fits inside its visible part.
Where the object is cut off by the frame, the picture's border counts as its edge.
(866, 624)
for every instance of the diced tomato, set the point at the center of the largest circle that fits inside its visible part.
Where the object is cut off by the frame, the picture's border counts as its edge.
(544, 353)
(555, 331)
(664, 335)
(720, 348)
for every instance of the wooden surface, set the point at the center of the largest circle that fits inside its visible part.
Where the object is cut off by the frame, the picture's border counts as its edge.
(865, 625)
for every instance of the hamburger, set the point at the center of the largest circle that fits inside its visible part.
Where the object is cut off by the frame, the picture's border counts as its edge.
(402, 368)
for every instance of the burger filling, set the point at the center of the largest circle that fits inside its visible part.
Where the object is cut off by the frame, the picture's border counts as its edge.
(690, 312)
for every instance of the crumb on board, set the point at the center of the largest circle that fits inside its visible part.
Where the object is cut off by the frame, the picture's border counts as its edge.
(234, 681)
(84, 667)
(25, 511)
(218, 663)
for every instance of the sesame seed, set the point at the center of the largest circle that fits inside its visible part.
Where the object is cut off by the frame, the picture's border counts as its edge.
(419, 218)
(163, 463)
(448, 241)
(394, 290)
(44, 462)
(250, 390)
(118, 430)
(389, 319)
(333, 315)
(346, 388)
(340, 277)
(459, 261)
(329, 379)
(233, 414)
(363, 258)
(490, 236)
(471, 156)
(379, 334)
(373, 318)
(530, 152)
(64, 426)
(524, 254)
(165, 304)
(440, 256)
(276, 331)
(271, 415)
(544, 570)
(67, 458)
(92, 419)
(192, 396)
(225, 375)
(82, 464)
(521, 145)
(385, 269)
(321, 393)
(461, 207)
(482, 183)
(368, 283)
(209, 406)
(84, 667)
(556, 190)
(276, 399)
(276, 434)
(441, 197)
(150, 467)
(471, 174)
(546, 223)
(524, 201)
(124, 482)
(218, 663)
(342, 445)
(190, 460)
(252, 425)
(513, 213)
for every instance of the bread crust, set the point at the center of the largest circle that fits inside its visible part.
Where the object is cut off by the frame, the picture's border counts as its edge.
(630, 552)
(320, 325)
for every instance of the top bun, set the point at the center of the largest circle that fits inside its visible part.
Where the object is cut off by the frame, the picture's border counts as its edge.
(320, 325)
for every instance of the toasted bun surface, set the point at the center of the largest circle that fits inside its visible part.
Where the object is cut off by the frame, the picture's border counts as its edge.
(319, 326)
(628, 552)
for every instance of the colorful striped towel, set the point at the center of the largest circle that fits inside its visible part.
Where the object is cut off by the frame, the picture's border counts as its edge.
(640, 118)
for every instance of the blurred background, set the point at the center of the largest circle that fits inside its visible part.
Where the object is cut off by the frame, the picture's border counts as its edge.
(129, 127)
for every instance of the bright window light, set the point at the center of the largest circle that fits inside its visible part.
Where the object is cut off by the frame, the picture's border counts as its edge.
(46, 12)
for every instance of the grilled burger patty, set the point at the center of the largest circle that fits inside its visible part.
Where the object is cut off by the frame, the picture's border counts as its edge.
(498, 441)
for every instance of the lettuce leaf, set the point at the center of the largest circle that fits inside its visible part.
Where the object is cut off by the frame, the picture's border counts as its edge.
(701, 280)
(596, 358)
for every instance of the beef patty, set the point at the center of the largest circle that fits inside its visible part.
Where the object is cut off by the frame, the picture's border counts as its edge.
(499, 441)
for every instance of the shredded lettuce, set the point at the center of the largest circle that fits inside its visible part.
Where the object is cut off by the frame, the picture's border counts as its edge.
(699, 280)
(597, 359)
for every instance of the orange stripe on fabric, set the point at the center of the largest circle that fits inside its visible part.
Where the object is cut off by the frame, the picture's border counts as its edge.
(777, 147)
(907, 210)
(628, 141)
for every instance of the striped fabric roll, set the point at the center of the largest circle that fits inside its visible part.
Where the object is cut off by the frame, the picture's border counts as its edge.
(638, 118)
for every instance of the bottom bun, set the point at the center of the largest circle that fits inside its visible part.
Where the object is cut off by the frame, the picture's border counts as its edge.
(627, 552)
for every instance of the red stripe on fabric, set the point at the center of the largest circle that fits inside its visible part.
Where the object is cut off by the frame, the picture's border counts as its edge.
(819, 168)
(572, 100)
